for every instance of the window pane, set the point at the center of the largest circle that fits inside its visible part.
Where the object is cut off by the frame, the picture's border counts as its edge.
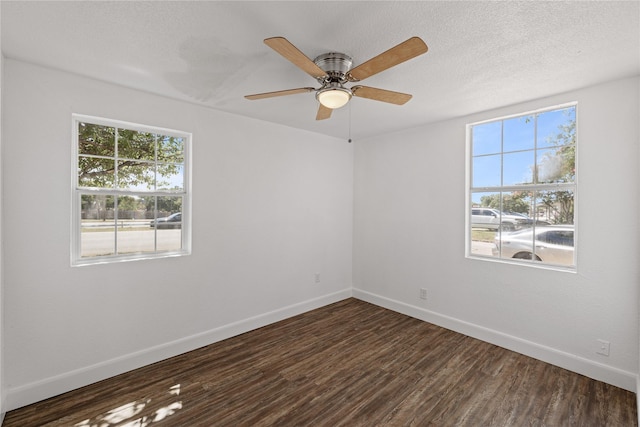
(556, 127)
(136, 145)
(134, 175)
(170, 177)
(97, 236)
(170, 149)
(169, 239)
(556, 165)
(485, 222)
(169, 223)
(555, 246)
(486, 171)
(96, 140)
(519, 205)
(96, 172)
(487, 138)
(555, 207)
(485, 199)
(517, 168)
(517, 244)
(134, 233)
(519, 134)
(168, 205)
(554, 242)
(514, 239)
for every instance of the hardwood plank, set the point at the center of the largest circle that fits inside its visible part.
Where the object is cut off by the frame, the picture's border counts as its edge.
(347, 364)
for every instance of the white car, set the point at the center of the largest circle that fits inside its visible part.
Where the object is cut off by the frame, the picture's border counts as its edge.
(552, 244)
(493, 219)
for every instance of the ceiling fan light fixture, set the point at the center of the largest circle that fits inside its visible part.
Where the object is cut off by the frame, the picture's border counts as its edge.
(334, 96)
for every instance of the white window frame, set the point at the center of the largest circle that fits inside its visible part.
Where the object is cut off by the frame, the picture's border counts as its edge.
(469, 190)
(78, 191)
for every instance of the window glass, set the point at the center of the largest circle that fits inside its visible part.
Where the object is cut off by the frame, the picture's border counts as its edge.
(136, 145)
(487, 139)
(96, 140)
(96, 172)
(486, 171)
(121, 207)
(98, 225)
(522, 197)
(519, 134)
(517, 168)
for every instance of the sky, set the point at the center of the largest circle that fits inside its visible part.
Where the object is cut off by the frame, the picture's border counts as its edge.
(526, 140)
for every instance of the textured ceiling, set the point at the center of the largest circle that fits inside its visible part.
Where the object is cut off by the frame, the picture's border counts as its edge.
(482, 55)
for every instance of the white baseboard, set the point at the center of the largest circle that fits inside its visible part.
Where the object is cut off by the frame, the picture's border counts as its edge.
(598, 371)
(40, 390)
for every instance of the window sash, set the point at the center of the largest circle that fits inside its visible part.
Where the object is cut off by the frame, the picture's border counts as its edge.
(180, 241)
(541, 147)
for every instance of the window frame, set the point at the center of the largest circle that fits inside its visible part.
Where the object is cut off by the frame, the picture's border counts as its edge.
(77, 192)
(502, 189)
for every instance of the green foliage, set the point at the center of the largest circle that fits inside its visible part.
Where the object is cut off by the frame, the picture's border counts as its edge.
(129, 203)
(561, 202)
(144, 159)
(513, 202)
(564, 156)
(164, 204)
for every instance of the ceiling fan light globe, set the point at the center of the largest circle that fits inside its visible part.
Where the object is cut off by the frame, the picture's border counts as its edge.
(334, 98)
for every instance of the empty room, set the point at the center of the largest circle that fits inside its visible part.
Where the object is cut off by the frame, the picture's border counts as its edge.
(358, 213)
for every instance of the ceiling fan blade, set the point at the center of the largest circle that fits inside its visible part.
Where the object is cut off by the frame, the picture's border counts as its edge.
(323, 112)
(381, 95)
(394, 56)
(291, 53)
(279, 93)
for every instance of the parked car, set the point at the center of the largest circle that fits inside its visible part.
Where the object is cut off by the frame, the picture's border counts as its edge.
(551, 244)
(494, 219)
(171, 221)
(537, 221)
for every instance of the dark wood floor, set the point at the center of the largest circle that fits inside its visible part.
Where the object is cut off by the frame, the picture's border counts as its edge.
(347, 364)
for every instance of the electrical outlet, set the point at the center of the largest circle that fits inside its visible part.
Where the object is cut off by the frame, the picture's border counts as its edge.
(423, 293)
(603, 347)
(317, 277)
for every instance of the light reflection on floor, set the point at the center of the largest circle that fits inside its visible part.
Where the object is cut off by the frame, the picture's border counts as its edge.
(135, 414)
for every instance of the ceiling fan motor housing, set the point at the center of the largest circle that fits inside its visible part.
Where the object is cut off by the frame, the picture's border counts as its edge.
(336, 65)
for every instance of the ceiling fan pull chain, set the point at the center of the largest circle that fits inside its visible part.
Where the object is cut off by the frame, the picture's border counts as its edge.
(350, 122)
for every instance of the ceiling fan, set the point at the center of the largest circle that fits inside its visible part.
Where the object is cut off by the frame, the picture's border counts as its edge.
(333, 70)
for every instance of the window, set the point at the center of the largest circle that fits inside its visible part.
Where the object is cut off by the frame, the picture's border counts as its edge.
(522, 187)
(131, 191)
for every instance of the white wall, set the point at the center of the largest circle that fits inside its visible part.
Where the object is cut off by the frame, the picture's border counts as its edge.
(409, 233)
(2, 347)
(271, 206)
